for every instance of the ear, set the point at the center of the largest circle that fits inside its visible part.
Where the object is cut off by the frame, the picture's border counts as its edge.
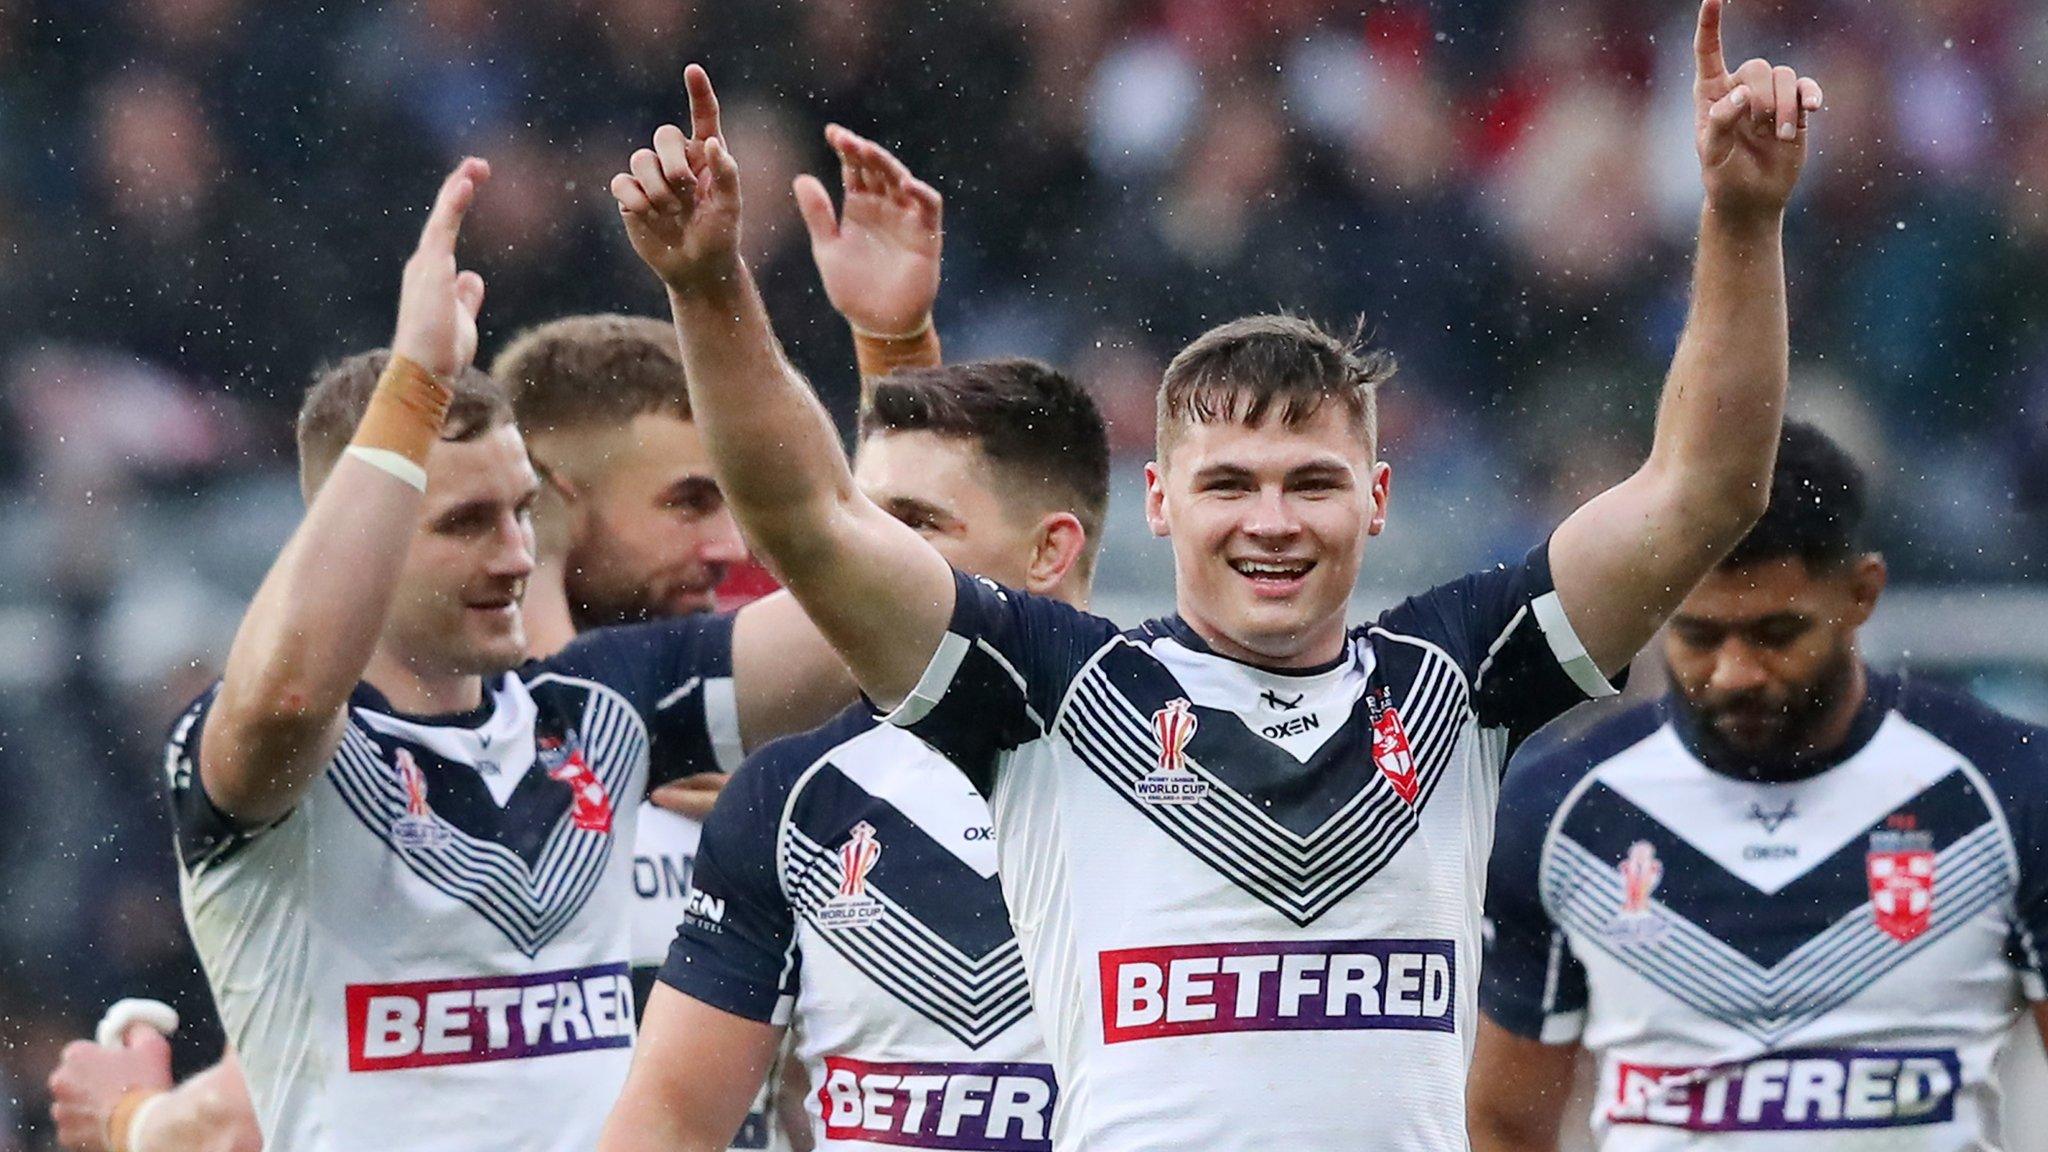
(1056, 549)
(1382, 491)
(1867, 579)
(1155, 498)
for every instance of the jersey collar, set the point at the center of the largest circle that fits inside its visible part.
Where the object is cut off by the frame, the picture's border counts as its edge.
(1180, 632)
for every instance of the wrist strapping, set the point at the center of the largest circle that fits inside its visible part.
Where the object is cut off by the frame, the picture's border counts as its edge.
(880, 355)
(405, 414)
(125, 1121)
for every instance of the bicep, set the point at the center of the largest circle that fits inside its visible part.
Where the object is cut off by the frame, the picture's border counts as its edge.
(787, 677)
(696, 1070)
(1517, 1090)
(880, 595)
(1624, 561)
(251, 770)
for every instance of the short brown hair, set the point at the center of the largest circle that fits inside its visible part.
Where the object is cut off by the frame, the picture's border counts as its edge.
(1039, 429)
(1258, 366)
(593, 371)
(341, 392)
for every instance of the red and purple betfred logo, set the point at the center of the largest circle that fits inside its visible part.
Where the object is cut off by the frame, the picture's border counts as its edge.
(426, 1023)
(993, 1107)
(1802, 1090)
(1279, 986)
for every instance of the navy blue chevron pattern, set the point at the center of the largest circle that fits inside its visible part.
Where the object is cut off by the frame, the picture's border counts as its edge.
(1768, 1002)
(531, 900)
(1245, 828)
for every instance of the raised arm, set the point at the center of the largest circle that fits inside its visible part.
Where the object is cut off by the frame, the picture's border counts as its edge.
(877, 591)
(316, 619)
(1624, 561)
(879, 256)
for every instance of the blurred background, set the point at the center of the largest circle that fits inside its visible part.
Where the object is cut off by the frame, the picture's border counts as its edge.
(202, 200)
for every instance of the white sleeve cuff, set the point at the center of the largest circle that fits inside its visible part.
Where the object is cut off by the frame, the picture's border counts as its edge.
(1566, 646)
(931, 687)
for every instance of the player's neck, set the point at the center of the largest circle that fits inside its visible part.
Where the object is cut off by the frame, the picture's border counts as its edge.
(1840, 719)
(416, 693)
(549, 626)
(1319, 647)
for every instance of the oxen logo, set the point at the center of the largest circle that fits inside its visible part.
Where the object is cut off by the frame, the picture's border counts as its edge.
(418, 829)
(1901, 871)
(1172, 781)
(590, 805)
(852, 907)
(1641, 872)
(1391, 753)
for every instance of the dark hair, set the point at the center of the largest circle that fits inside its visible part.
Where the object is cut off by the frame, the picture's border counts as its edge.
(1817, 504)
(1037, 427)
(593, 371)
(1258, 366)
(340, 393)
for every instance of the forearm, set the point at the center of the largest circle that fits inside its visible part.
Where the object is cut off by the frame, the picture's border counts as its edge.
(1718, 421)
(771, 442)
(1493, 1133)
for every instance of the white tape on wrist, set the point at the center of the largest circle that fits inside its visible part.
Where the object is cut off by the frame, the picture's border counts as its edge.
(386, 460)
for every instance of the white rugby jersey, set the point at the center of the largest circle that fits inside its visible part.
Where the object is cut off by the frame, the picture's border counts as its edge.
(431, 950)
(1248, 900)
(848, 875)
(1757, 966)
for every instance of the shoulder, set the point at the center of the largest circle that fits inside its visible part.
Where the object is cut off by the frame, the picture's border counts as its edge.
(1555, 760)
(2012, 753)
(763, 785)
(628, 651)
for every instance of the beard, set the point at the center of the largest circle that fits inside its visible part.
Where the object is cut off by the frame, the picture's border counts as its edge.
(593, 604)
(1770, 734)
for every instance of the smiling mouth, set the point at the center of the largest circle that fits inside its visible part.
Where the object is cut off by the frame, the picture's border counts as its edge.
(1273, 574)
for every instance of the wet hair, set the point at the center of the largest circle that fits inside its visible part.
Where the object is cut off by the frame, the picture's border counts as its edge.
(1817, 505)
(340, 394)
(1265, 366)
(596, 371)
(1037, 427)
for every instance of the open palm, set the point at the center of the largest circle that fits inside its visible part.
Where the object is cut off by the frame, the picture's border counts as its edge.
(879, 256)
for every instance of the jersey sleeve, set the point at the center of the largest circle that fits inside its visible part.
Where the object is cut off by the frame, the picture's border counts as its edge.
(205, 835)
(1529, 982)
(1507, 630)
(677, 674)
(998, 674)
(736, 947)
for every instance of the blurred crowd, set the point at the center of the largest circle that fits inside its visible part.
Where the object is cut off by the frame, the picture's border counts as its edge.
(202, 200)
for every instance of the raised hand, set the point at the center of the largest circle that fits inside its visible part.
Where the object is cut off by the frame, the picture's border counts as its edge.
(90, 1079)
(681, 199)
(1749, 125)
(437, 304)
(879, 256)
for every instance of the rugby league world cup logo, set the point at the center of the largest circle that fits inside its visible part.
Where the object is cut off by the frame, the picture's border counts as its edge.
(1641, 872)
(418, 829)
(1172, 781)
(852, 907)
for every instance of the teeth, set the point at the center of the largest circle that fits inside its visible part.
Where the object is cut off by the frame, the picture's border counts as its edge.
(1254, 568)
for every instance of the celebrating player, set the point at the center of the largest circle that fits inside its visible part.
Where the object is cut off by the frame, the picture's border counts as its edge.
(848, 874)
(1242, 846)
(397, 855)
(1794, 896)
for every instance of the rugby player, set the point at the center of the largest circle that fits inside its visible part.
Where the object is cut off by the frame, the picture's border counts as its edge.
(848, 875)
(397, 852)
(1243, 847)
(600, 399)
(1795, 896)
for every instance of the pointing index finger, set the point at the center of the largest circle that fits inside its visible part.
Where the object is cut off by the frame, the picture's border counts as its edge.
(1706, 41)
(451, 204)
(703, 104)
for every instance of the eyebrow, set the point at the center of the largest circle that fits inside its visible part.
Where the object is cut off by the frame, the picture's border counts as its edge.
(905, 506)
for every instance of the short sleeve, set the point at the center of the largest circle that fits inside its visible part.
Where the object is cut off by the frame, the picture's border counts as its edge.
(206, 836)
(1507, 630)
(736, 947)
(998, 674)
(1530, 983)
(677, 674)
